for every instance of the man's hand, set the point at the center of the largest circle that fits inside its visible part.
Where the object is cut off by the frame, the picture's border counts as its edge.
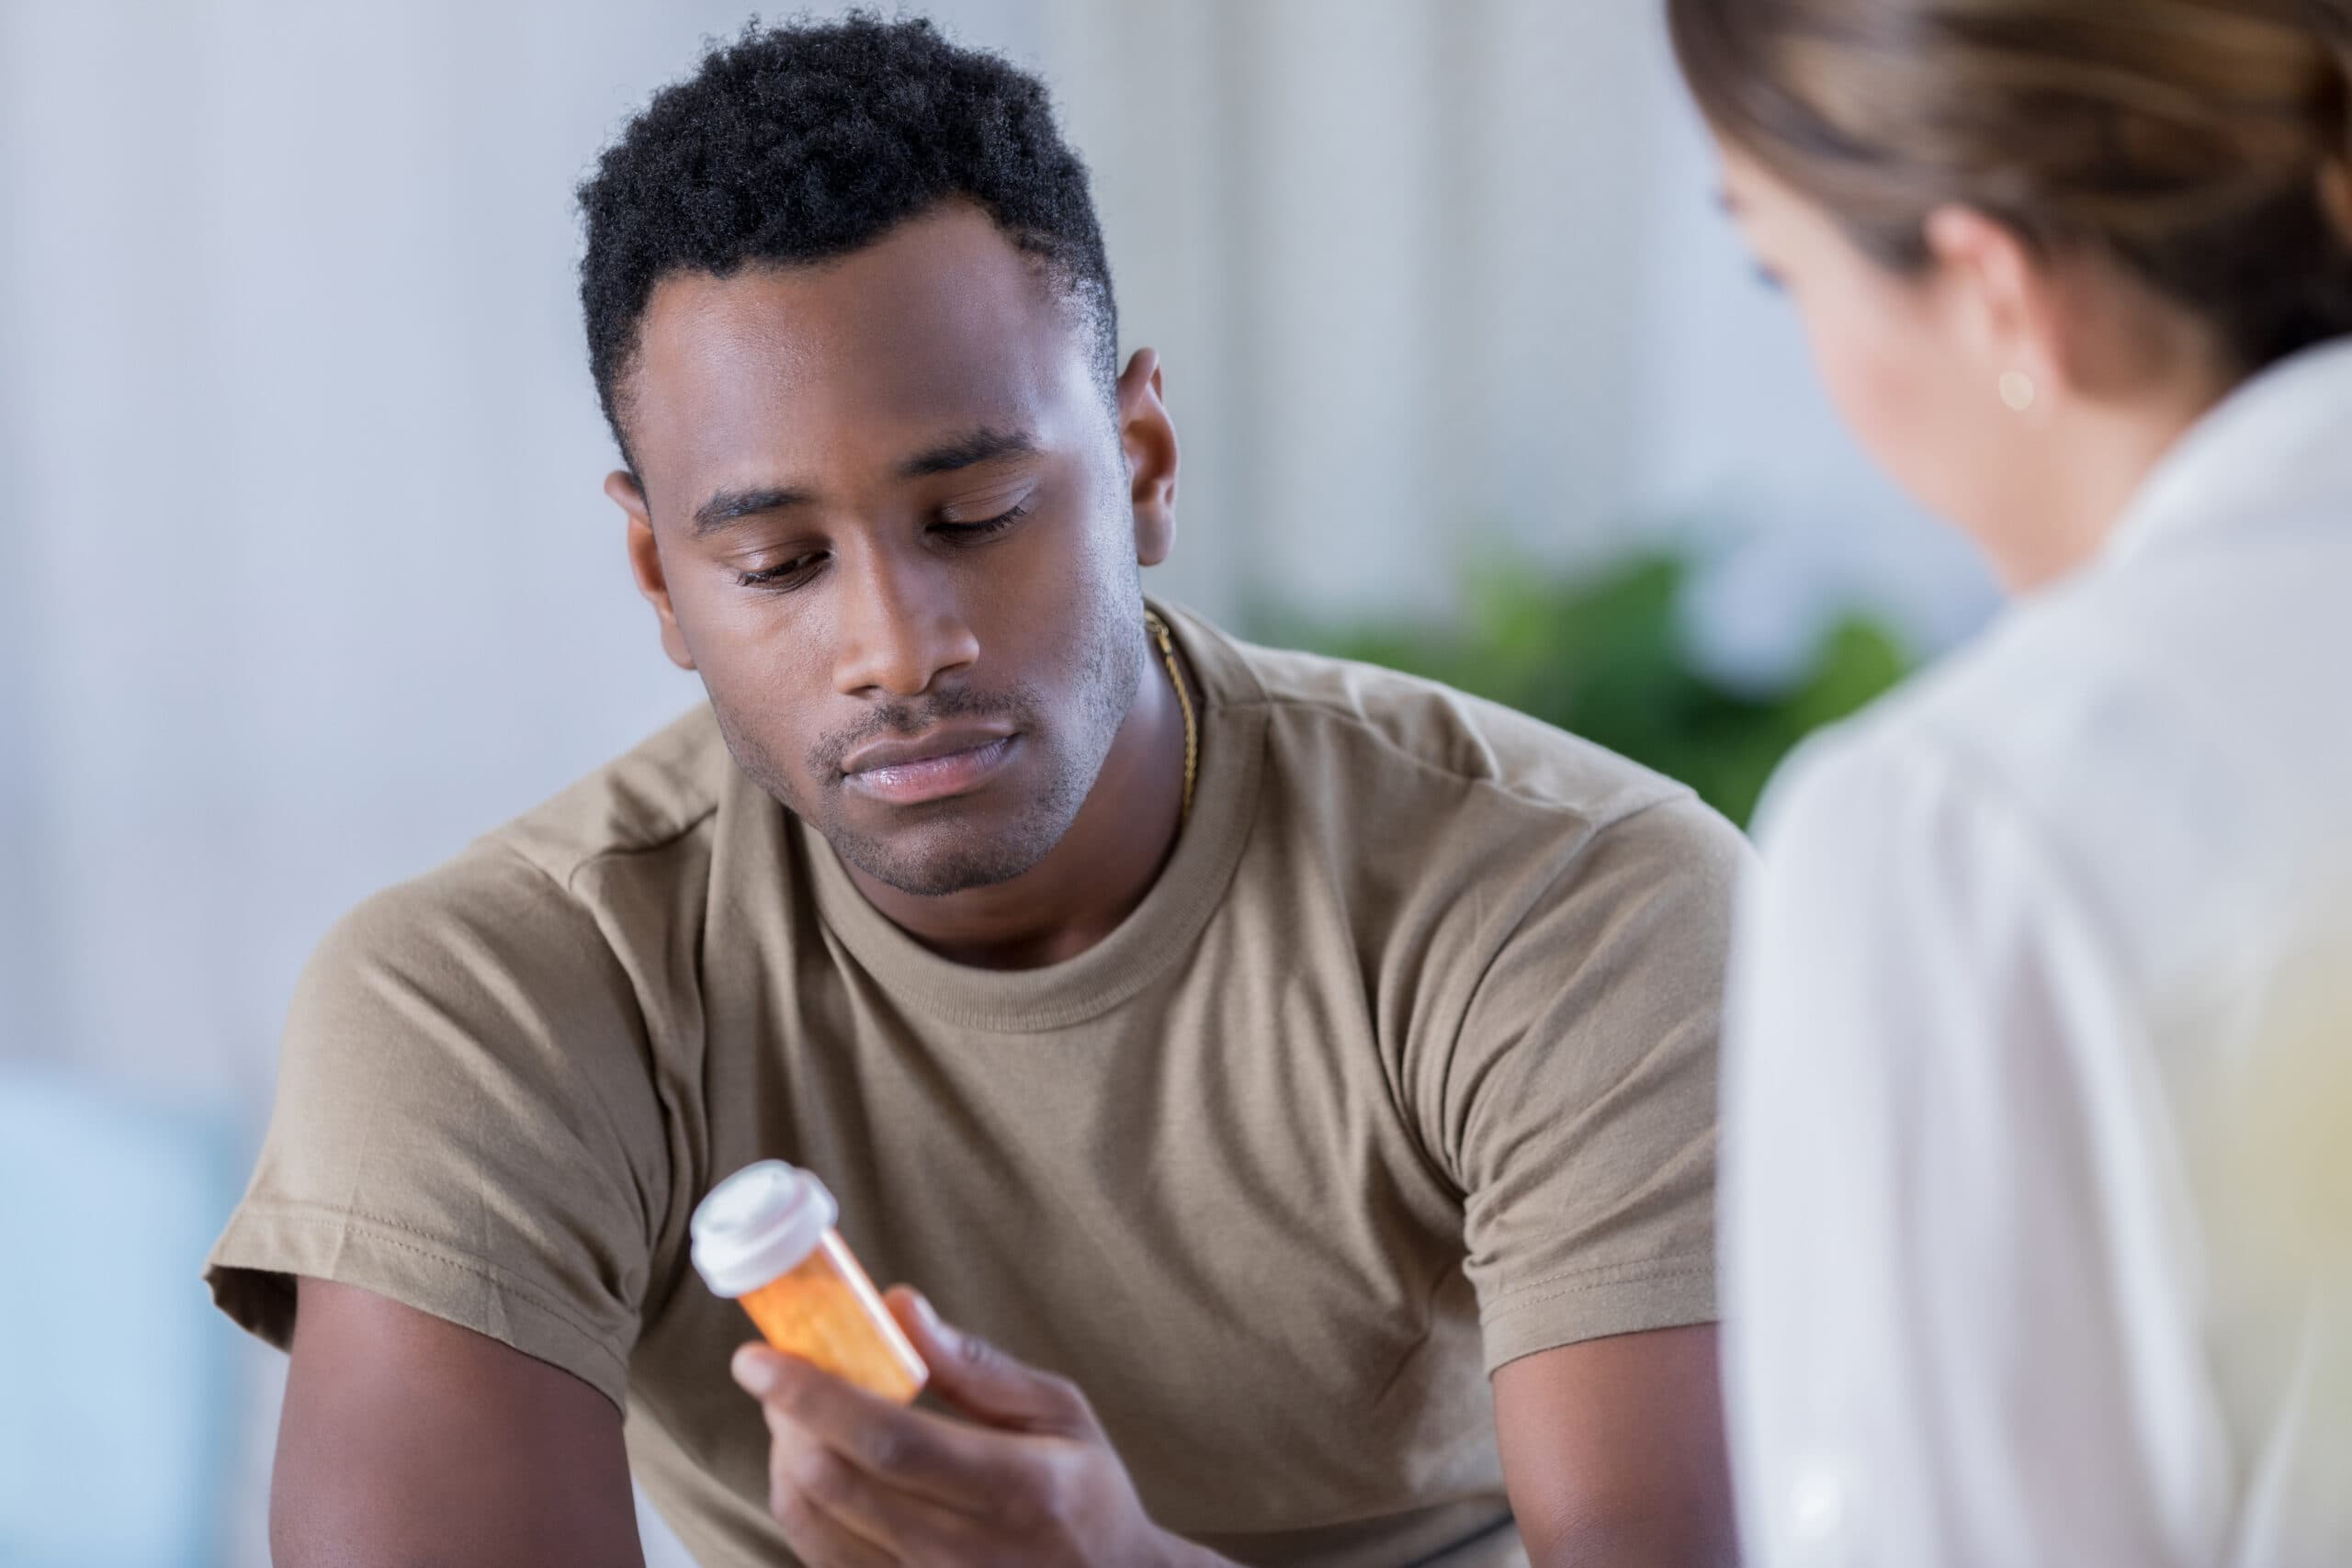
(857, 1482)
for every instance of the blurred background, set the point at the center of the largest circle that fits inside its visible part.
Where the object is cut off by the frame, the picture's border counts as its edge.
(305, 579)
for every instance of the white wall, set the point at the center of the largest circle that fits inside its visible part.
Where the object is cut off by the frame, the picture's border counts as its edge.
(307, 573)
(1432, 274)
(305, 577)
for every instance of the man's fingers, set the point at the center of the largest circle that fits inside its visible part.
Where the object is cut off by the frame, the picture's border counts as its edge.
(816, 1535)
(808, 1480)
(985, 1382)
(916, 1451)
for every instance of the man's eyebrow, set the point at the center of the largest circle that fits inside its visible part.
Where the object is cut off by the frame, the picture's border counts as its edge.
(984, 445)
(734, 505)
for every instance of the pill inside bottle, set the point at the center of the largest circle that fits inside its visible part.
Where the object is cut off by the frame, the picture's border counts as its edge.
(765, 1237)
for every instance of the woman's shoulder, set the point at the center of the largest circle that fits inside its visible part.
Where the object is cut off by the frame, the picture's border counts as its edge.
(2155, 742)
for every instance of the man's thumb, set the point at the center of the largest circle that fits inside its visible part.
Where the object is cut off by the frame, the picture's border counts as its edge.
(983, 1381)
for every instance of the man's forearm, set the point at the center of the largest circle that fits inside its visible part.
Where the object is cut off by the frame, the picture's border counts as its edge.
(1647, 1542)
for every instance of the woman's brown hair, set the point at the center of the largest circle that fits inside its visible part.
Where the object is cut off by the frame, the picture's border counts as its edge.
(2204, 144)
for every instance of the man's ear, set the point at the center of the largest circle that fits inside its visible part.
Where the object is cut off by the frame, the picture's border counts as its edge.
(1147, 437)
(645, 563)
(2009, 300)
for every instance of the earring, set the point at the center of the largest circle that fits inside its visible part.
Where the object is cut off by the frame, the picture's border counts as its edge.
(2018, 391)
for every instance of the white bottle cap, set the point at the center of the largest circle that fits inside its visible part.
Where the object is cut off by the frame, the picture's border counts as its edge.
(758, 1223)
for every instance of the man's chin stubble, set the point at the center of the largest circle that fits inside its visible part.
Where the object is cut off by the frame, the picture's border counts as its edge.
(941, 876)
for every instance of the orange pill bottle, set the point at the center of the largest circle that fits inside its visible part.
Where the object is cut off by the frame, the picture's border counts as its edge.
(765, 1237)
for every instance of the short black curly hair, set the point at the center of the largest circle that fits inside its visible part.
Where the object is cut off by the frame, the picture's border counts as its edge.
(798, 143)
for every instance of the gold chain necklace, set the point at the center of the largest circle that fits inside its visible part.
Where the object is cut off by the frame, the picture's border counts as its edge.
(1160, 635)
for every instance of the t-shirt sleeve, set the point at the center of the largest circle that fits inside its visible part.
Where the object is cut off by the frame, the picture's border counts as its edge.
(1579, 1098)
(465, 1123)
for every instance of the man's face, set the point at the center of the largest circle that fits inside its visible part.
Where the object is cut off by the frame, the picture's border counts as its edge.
(887, 516)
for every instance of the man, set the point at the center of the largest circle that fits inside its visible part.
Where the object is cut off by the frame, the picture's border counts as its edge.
(1261, 1050)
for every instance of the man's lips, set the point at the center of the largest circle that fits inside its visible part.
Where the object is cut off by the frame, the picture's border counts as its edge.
(946, 761)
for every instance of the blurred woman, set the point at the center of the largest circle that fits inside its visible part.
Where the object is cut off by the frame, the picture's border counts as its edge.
(2036, 1217)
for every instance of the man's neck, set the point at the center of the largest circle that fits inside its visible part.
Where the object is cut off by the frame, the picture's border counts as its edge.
(1088, 883)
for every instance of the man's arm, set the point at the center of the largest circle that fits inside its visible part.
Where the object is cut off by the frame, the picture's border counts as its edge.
(1574, 1109)
(1615, 1454)
(406, 1441)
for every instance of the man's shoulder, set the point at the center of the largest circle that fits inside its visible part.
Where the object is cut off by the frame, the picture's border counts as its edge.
(539, 883)
(1404, 733)
(645, 800)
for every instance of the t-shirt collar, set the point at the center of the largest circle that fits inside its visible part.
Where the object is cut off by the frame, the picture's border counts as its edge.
(1159, 934)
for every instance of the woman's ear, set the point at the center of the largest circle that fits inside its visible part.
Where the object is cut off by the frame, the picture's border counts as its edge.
(1148, 439)
(645, 563)
(2006, 302)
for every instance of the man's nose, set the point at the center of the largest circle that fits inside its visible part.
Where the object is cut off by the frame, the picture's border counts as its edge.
(901, 630)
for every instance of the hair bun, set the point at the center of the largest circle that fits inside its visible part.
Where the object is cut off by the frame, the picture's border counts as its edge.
(2334, 20)
(2335, 193)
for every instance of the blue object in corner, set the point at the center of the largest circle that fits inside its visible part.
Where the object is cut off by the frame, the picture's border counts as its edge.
(116, 1410)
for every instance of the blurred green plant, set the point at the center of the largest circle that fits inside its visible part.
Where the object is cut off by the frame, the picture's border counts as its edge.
(1606, 656)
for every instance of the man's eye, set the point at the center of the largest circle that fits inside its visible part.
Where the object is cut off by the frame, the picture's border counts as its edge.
(791, 574)
(973, 533)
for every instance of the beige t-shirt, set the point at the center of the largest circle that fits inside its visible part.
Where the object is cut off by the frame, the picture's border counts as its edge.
(1404, 1068)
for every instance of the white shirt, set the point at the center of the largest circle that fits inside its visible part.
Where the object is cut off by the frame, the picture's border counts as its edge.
(2038, 1235)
